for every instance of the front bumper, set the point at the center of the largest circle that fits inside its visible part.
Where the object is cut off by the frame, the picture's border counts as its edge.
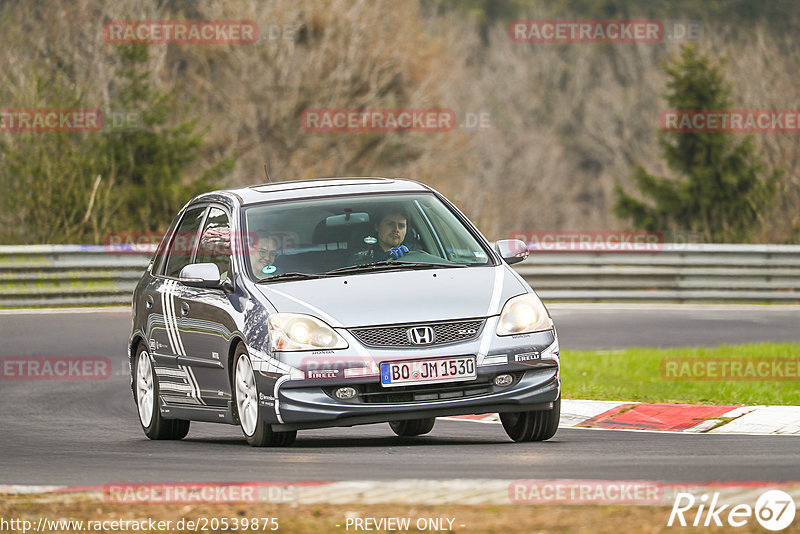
(311, 407)
(303, 398)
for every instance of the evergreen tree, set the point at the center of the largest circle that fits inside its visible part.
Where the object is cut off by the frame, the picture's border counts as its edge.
(719, 192)
(149, 161)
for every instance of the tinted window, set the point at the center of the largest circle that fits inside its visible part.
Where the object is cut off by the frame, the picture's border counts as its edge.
(215, 242)
(183, 242)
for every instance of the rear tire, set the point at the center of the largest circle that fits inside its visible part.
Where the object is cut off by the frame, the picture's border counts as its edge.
(245, 396)
(146, 390)
(413, 427)
(532, 426)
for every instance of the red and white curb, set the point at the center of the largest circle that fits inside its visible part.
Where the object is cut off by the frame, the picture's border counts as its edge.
(416, 492)
(697, 418)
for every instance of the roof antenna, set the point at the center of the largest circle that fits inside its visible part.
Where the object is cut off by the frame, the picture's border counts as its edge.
(267, 173)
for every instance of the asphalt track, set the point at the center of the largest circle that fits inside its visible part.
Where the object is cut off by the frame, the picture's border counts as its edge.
(87, 433)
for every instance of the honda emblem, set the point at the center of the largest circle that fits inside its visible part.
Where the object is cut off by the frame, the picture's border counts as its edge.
(421, 335)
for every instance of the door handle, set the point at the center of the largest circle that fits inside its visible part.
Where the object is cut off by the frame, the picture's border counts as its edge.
(185, 308)
(148, 302)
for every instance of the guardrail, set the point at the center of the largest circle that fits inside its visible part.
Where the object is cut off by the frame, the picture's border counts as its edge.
(678, 273)
(67, 275)
(80, 275)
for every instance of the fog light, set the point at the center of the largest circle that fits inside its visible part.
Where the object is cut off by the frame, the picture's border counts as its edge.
(345, 393)
(503, 380)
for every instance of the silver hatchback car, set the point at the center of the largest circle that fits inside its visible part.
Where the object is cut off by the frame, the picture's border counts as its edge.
(338, 302)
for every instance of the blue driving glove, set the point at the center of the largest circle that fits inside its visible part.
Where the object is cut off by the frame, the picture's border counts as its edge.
(398, 252)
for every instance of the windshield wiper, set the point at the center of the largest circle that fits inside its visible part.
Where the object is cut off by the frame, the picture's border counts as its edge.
(292, 276)
(391, 264)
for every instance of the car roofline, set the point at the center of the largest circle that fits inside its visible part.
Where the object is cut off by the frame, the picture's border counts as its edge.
(319, 187)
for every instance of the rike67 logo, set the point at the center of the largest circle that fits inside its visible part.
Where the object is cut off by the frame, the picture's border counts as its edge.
(774, 510)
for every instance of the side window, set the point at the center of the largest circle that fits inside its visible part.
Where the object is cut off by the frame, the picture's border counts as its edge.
(215, 242)
(179, 254)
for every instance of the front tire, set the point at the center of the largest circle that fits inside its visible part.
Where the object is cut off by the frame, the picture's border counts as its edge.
(413, 427)
(146, 395)
(245, 391)
(532, 426)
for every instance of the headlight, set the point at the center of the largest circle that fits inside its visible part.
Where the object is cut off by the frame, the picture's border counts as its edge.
(523, 314)
(295, 331)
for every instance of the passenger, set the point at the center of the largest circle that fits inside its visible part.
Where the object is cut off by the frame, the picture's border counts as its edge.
(263, 254)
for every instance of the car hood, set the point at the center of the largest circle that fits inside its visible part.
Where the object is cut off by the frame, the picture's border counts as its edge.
(393, 297)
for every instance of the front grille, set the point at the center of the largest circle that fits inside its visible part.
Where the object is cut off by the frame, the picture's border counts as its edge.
(397, 336)
(377, 394)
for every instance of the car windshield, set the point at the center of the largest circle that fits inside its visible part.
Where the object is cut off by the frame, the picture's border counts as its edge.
(364, 233)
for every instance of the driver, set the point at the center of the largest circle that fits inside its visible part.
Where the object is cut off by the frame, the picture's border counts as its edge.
(391, 227)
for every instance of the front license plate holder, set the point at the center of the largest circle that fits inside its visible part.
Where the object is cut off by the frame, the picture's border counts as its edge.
(428, 371)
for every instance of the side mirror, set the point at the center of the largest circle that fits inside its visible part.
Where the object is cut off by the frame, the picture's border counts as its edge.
(201, 275)
(511, 250)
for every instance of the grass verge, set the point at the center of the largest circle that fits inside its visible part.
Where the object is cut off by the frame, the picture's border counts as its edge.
(681, 375)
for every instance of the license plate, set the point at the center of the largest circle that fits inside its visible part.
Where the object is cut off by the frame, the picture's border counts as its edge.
(412, 372)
